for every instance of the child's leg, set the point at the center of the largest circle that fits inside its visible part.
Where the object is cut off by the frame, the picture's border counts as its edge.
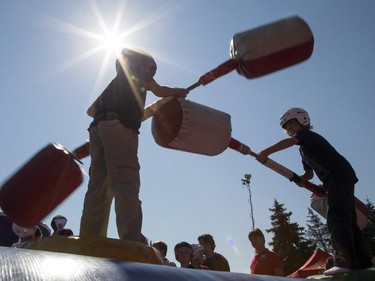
(339, 220)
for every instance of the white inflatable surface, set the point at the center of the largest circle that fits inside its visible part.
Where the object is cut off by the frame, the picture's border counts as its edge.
(22, 264)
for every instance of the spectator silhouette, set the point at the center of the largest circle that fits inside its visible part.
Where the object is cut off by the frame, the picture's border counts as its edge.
(58, 225)
(162, 247)
(265, 261)
(184, 254)
(214, 260)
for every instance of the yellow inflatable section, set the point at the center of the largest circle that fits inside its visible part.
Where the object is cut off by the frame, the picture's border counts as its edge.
(98, 247)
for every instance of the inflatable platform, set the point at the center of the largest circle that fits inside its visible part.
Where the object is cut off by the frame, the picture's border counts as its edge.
(37, 265)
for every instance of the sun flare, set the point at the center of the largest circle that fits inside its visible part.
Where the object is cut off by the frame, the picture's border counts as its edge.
(111, 42)
(106, 36)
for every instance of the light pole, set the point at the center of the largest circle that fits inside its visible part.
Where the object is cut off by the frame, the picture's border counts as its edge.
(246, 182)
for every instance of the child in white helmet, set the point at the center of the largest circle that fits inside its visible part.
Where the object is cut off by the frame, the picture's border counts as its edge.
(338, 178)
(198, 256)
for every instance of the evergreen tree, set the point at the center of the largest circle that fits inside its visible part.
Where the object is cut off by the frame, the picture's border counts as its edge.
(369, 230)
(317, 232)
(288, 239)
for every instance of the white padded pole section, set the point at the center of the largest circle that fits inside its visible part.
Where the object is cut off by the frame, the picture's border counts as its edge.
(203, 130)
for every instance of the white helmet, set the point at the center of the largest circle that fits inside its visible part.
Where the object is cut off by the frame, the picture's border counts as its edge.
(196, 249)
(23, 232)
(295, 113)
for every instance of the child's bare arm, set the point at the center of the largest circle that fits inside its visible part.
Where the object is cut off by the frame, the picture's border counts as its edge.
(283, 144)
(164, 91)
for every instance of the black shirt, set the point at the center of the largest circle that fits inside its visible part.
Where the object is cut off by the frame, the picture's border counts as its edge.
(123, 99)
(319, 155)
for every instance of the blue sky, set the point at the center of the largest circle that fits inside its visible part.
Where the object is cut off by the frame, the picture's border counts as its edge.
(52, 69)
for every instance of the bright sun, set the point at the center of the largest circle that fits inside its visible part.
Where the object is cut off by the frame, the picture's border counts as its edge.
(109, 35)
(111, 42)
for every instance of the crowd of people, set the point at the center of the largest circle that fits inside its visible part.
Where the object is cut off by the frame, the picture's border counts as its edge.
(204, 256)
(201, 255)
(197, 256)
(30, 234)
